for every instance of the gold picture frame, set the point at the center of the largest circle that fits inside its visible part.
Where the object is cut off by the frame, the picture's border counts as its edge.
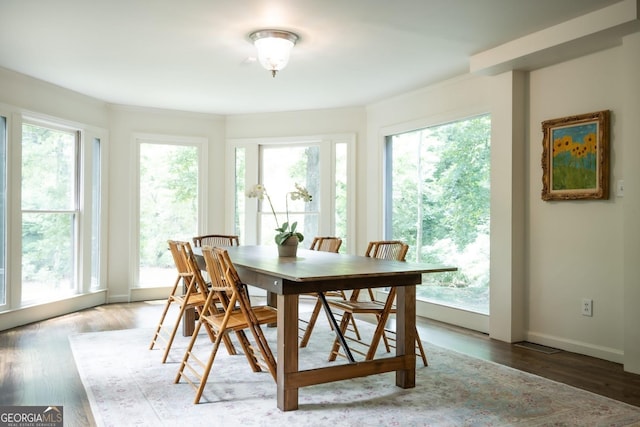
(575, 157)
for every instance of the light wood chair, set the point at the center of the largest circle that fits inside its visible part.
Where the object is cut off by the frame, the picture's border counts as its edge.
(217, 305)
(213, 240)
(220, 240)
(188, 292)
(326, 244)
(386, 249)
(238, 315)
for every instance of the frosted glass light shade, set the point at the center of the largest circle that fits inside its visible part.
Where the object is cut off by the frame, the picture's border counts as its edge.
(274, 48)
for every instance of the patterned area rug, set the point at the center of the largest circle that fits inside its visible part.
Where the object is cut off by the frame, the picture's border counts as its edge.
(127, 385)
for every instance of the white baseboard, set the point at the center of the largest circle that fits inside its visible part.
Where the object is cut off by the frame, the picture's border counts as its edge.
(601, 352)
(34, 313)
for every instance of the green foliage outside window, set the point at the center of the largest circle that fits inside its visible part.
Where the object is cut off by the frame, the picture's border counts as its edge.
(48, 202)
(168, 206)
(440, 198)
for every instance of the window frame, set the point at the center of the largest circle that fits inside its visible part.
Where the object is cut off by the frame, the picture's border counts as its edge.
(83, 211)
(327, 144)
(456, 316)
(201, 145)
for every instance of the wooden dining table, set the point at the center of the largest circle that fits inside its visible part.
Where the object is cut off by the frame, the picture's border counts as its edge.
(317, 272)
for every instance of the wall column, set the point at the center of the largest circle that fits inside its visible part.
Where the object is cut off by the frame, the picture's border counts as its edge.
(507, 207)
(630, 138)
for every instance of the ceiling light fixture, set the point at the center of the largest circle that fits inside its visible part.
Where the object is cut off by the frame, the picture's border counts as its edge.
(274, 47)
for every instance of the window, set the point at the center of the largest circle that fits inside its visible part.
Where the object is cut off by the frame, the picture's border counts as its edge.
(169, 202)
(56, 177)
(61, 253)
(283, 167)
(50, 209)
(96, 210)
(341, 194)
(323, 165)
(438, 201)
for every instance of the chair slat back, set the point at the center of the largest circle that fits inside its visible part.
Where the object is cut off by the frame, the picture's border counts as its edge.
(175, 247)
(219, 240)
(238, 287)
(326, 244)
(384, 249)
(387, 249)
(194, 269)
(215, 271)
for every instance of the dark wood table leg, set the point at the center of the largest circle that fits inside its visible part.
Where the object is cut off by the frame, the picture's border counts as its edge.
(406, 339)
(272, 301)
(287, 351)
(188, 322)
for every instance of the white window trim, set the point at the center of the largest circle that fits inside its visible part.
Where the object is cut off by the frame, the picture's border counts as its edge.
(326, 142)
(446, 314)
(12, 313)
(201, 143)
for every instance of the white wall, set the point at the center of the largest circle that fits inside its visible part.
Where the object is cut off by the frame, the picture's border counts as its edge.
(297, 123)
(124, 123)
(575, 248)
(26, 94)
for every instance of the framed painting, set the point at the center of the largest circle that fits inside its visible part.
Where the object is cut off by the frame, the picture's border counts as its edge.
(575, 157)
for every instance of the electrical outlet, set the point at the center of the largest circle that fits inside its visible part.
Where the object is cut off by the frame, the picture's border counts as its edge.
(587, 307)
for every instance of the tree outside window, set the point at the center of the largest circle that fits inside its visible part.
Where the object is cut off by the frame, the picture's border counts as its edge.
(439, 203)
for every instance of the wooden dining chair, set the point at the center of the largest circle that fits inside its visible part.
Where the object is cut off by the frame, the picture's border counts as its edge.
(213, 240)
(326, 244)
(220, 240)
(188, 292)
(385, 249)
(238, 315)
(217, 304)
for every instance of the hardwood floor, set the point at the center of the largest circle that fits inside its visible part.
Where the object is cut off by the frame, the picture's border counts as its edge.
(37, 365)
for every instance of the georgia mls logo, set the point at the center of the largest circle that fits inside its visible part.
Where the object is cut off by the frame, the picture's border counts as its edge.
(53, 410)
(31, 416)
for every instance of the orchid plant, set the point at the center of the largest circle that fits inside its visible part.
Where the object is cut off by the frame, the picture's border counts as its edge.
(287, 230)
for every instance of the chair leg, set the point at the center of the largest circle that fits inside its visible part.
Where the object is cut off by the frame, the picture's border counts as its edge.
(248, 352)
(160, 323)
(421, 352)
(176, 326)
(346, 318)
(265, 350)
(355, 328)
(387, 346)
(187, 353)
(375, 340)
(207, 369)
(164, 313)
(382, 322)
(311, 324)
(353, 320)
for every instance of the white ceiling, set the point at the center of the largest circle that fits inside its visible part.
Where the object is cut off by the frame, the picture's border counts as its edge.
(194, 55)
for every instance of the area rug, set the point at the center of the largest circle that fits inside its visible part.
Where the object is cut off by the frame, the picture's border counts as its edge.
(127, 385)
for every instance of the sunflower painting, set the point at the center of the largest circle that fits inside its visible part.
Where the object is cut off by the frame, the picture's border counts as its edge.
(575, 159)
